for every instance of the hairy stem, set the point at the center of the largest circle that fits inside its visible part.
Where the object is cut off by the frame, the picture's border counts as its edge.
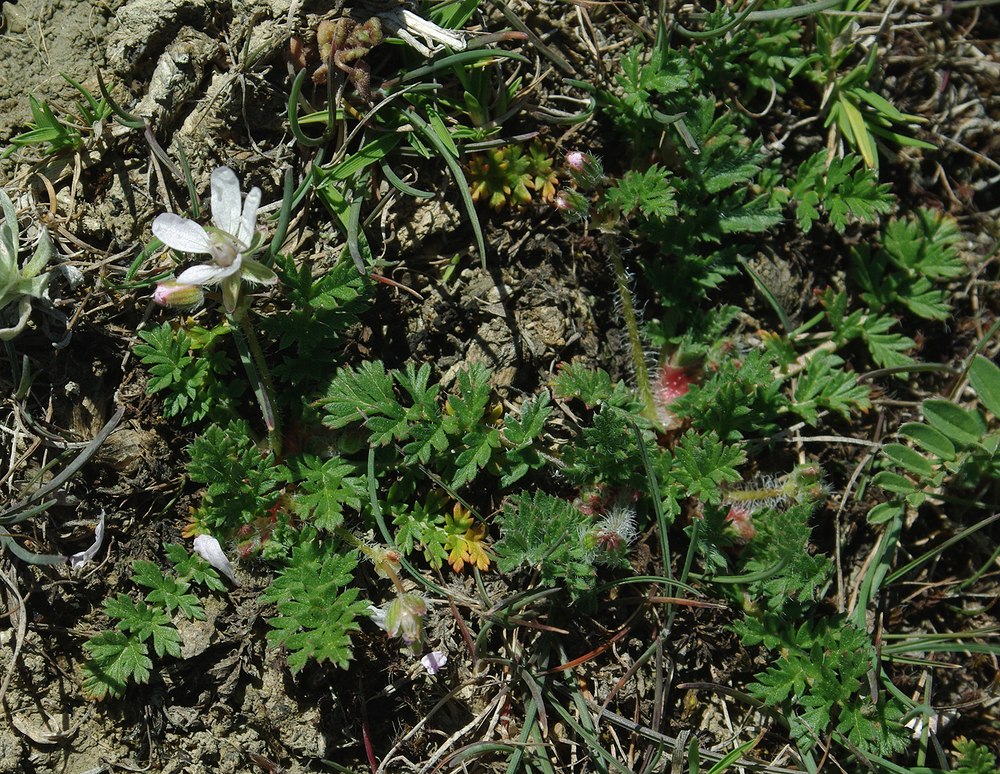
(260, 375)
(643, 383)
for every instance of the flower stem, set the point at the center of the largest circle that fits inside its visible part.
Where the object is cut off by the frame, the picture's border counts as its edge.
(643, 383)
(259, 374)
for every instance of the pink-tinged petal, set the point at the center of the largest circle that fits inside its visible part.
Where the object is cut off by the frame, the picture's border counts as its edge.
(204, 274)
(178, 295)
(226, 200)
(181, 234)
(434, 661)
(248, 223)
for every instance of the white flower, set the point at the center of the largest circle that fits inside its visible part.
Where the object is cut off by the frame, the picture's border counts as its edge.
(433, 661)
(228, 242)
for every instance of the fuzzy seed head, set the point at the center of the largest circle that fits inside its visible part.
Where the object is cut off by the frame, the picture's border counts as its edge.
(616, 529)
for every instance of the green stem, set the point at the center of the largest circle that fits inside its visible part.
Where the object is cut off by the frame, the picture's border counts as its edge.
(260, 375)
(643, 383)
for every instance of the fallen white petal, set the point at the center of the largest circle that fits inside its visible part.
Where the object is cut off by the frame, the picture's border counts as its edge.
(78, 560)
(433, 661)
(208, 548)
(226, 200)
(377, 614)
(181, 234)
(417, 25)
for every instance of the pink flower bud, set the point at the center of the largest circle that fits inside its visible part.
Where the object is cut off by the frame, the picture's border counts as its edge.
(573, 205)
(740, 520)
(668, 385)
(178, 295)
(586, 169)
(575, 161)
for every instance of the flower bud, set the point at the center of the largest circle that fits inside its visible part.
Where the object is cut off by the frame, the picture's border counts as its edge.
(668, 385)
(586, 169)
(178, 295)
(572, 204)
(404, 617)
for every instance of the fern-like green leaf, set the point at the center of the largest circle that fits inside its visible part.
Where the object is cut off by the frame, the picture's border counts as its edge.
(168, 592)
(649, 192)
(546, 534)
(115, 660)
(365, 395)
(702, 464)
(825, 385)
(846, 189)
(316, 613)
(326, 487)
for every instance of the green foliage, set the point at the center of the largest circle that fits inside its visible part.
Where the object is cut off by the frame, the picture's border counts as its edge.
(316, 613)
(120, 656)
(820, 683)
(593, 387)
(915, 253)
(242, 481)
(703, 464)
(649, 193)
(888, 348)
(457, 439)
(420, 523)
(607, 452)
(55, 136)
(716, 201)
(507, 176)
(547, 535)
(170, 593)
(19, 283)
(973, 758)
(779, 550)
(193, 569)
(823, 384)
(860, 115)
(953, 446)
(323, 306)
(643, 84)
(758, 54)
(196, 378)
(115, 660)
(742, 397)
(841, 189)
(325, 488)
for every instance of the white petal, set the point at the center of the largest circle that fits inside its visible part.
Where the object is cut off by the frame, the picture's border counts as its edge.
(208, 548)
(433, 661)
(226, 200)
(377, 614)
(79, 559)
(204, 274)
(248, 223)
(180, 233)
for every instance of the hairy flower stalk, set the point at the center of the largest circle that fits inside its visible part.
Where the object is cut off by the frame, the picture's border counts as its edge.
(636, 349)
